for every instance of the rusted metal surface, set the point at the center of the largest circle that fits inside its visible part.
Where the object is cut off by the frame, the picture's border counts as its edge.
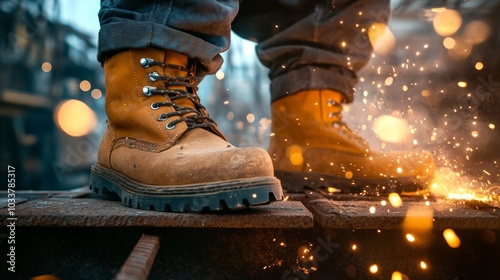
(139, 263)
(94, 212)
(445, 214)
(26, 195)
(4, 202)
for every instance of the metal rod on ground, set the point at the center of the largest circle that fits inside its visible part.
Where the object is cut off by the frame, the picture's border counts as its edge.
(140, 260)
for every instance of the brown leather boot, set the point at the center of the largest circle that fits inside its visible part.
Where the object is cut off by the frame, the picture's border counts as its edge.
(312, 148)
(161, 151)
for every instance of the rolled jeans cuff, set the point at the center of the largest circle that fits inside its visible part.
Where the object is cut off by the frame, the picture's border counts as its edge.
(314, 78)
(121, 36)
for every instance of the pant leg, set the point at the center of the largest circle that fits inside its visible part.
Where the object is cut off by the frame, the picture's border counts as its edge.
(199, 29)
(311, 44)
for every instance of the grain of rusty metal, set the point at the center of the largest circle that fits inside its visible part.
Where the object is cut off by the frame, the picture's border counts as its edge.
(92, 212)
(141, 259)
(75, 193)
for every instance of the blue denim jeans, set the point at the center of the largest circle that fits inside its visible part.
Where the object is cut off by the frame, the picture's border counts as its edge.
(306, 44)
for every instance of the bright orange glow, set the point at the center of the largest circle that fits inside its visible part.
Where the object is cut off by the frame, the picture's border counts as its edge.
(388, 81)
(75, 118)
(438, 9)
(451, 185)
(449, 43)
(396, 275)
(447, 22)
(410, 237)
(395, 200)
(391, 129)
(374, 268)
(423, 265)
(451, 238)
(418, 219)
(381, 38)
(294, 153)
(426, 93)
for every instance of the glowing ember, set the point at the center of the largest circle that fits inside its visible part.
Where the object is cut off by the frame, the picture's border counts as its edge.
(374, 268)
(451, 238)
(396, 275)
(418, 222)
(332, 190)
(447, 22)
(219, 75)
(391, 129)
(410, 237)
(423, 265)
(294, 153)
(395, 200)
(453, 186)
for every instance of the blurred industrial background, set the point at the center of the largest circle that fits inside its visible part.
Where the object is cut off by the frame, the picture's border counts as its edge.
(433, 83)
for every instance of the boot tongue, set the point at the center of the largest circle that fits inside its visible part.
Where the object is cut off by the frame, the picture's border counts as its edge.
(178, 59)
(331, 112)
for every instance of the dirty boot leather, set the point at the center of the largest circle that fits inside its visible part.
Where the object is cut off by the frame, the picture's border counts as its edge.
(312, 148)
(161, 151)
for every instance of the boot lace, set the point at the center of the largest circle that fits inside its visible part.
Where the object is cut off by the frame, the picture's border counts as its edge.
(194, 117)
(336, 120)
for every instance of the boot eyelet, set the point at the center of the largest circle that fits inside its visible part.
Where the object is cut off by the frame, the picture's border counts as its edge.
(155, 106)
(331, 102)
(145, 62)
(147, 90)
(169, 126)
(153, 77)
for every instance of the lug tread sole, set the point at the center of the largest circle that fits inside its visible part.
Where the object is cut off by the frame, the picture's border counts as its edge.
(298, 182)
(213, 196)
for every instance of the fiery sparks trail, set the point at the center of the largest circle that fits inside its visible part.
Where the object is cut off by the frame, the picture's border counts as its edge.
(453, 186)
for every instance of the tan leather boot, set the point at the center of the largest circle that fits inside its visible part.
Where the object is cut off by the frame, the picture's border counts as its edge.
(312, 148)
(162, 152)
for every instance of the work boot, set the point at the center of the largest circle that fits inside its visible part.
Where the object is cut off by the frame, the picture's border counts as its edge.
(161, 151)
(312, 148)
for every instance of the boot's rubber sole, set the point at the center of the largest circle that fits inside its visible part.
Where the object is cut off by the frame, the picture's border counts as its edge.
(213, 196)
(300, 181)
